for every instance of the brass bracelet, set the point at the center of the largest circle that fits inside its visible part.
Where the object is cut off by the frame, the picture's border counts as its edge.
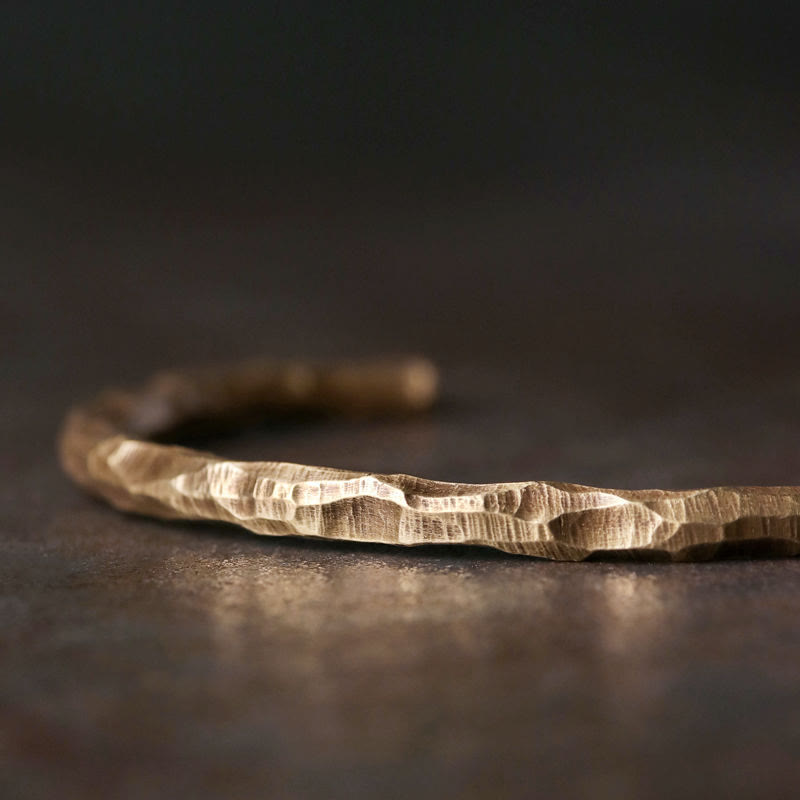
(103, 446)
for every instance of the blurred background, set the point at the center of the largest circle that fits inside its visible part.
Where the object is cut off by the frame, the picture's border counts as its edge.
(203, 178)
(591, 207)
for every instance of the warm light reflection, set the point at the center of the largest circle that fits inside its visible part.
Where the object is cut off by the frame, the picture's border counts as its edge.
(357, 637)
(636, 610)
(368, 596)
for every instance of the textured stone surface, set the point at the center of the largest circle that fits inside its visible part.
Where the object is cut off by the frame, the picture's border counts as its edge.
(143, 659)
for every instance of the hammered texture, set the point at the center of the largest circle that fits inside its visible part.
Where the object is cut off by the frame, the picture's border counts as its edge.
(103, 448)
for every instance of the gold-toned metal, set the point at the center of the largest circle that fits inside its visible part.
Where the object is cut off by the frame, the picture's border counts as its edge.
(103, 446)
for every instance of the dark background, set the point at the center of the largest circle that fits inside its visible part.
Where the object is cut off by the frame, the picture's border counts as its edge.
(431, 92)
(405, 168)
(586, 212)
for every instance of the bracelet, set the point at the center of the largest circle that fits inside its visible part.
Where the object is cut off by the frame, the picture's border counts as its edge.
(103, 446)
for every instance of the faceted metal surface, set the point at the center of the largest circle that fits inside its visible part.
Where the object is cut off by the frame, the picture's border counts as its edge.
(103, 447)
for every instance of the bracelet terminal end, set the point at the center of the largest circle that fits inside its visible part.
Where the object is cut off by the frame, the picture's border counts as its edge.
(399, 385)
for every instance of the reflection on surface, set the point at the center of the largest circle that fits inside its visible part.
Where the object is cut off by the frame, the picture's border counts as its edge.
(367, 656)
(372, 595)
(315, 593)
(636, 612)
(333, 623)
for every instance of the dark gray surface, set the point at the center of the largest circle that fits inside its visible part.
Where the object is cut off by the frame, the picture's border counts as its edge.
(629, 332)
(587, 213)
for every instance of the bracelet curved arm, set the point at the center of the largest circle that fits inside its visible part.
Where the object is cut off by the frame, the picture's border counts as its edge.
(103, 446)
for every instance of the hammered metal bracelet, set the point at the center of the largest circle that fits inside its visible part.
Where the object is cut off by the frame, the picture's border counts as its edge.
(103, 446)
